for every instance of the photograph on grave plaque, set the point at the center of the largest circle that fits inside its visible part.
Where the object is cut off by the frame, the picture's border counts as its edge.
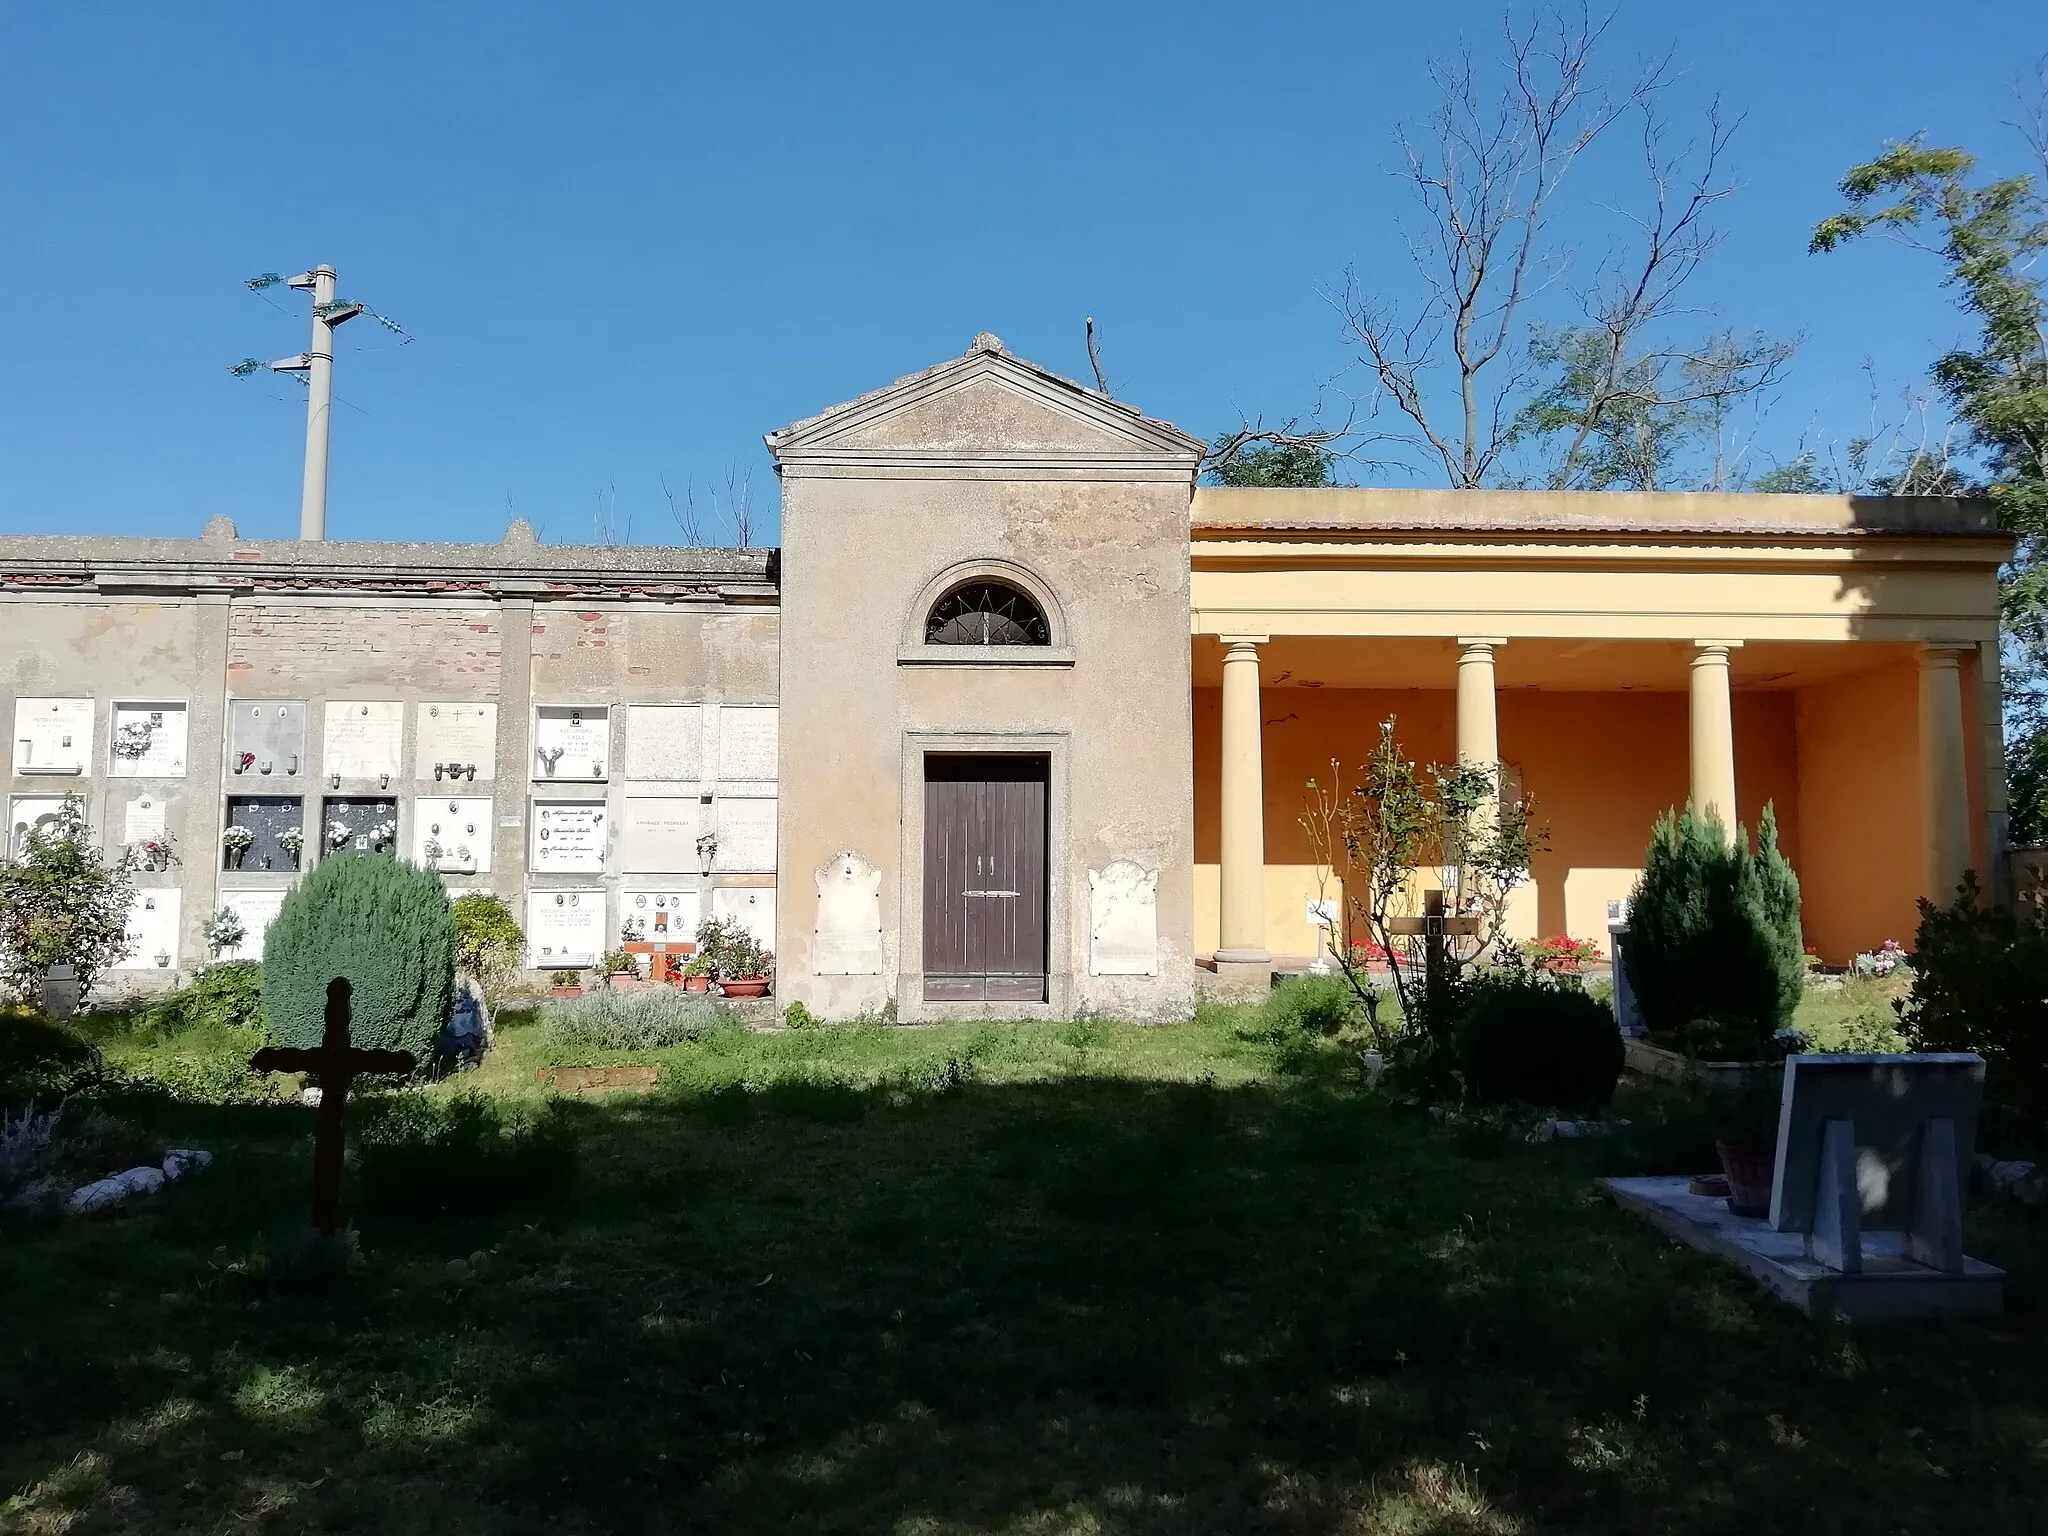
(452, 835)
(31, 813)
(747, 742)
(263, 833)
(658, 833)
(665, 741)
(362, 740)
(257, 910)
(149, 741)
(746, 836)
(752, 905)
(456, 742)
(571, 742)
(360, 826)
(568, 836)
(667, 915)
(564, 928)
(266, 740)
(152, 930)
(53, 736)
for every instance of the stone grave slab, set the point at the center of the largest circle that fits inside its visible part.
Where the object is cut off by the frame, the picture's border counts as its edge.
(149, 741)
(152, 929)
(665, 915)
(746, 835)
(360, 826)
(571, 743)
(257, 910)
(658, 832)
(848, 938)
(568, 836)
(54, 737)
(452, 834)
(564, 928)
(268, 818)
(665, 742)
(456, 741)
(29, 813)
(362, 739)
(754, 908)
(747, 736)
(1123, 920)
(266, 740)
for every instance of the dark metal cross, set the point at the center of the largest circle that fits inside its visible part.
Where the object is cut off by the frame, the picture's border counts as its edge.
(337, 1064)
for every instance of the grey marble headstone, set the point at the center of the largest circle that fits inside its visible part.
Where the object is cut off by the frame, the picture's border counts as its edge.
(60, 992)
(1627, 1015)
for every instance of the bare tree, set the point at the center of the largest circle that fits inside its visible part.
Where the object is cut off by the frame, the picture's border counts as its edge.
(737, 494)
(1095, 360)
(684, 510)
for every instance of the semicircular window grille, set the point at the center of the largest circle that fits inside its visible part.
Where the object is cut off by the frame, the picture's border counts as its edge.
(986, 613)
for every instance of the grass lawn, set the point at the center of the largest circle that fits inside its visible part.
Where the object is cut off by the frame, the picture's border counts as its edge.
(1039, 1278)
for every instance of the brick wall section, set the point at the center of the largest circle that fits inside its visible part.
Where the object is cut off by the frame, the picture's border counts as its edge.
(456, 650)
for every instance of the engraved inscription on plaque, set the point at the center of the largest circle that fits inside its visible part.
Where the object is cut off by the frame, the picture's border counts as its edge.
(753, 905)
(571, 742)
(266, 741)
(848, 938)
(568, 836)
(665, 741)
(149, 741)
(667, 915)
(658, 834)
(746, 836)
(362, 740)
(144, 819)
(358, 825)
(53, 736)
(268, 820)
(152, 930)
(746, 742)
(564, 928)
(452, 834)
(31, 813)
(456, 741)
(257, 910)
(1123, 920)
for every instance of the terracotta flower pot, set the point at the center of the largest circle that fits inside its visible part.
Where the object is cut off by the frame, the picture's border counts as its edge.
(1749, 1167)
(625, 981)
(568, 991)
(745, 986)
(696, 983)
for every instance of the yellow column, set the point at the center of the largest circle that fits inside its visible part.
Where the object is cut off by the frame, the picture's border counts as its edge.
(1241, 925)
(1944, 787)
(1713, 732)
(1478, 734)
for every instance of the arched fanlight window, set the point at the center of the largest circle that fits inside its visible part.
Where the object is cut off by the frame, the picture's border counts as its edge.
(986, 613)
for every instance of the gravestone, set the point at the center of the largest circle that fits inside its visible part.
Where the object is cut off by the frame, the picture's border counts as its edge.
(848, 938)
(361, 740)
(568, 836)
(746, 836)
(453, 835)
(564, 928)
(571, 742)
(1627, 1015)
(60, 992)
(53, 736)
(1123, 920)
(665, 742)
(266, 740)
(658, 833)
(149, 741)
(747, 737)
(456, 741)
(358, 825)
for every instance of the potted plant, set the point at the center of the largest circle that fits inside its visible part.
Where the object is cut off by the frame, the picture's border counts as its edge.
(568, 983)
(622, 972)
(293, 841)
(236, 841)
(736, 959)
(697, 973)
(1563, 955)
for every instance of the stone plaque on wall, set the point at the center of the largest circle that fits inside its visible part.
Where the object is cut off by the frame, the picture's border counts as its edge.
(456, 741)
(564, 928)
(848, 938)
(665, 741)
(149, 741)
(144, 819)
(571, 742)
(453, 835)
(659, 833)
(152, 930)
(53, 736)
(31, 812)
(568, 836)
(746, 836)
(265, 741)
(667, 914)
(362, 739)
(267, 819)
(257, 910)
(359, 825)
(746, 742)
(753, 905)
(1123, 920)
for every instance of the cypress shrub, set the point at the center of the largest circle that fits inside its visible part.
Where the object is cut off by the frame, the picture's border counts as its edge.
(1713, 934)
(384, 925)
(1529, 1042)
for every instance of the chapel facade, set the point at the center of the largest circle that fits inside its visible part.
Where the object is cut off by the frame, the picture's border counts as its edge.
(1018, 720)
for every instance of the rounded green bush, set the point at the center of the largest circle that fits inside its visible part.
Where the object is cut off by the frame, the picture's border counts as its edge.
(384, 925)
(1532, 1043)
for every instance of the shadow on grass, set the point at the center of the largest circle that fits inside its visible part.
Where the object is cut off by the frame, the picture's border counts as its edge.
(1095, 1304)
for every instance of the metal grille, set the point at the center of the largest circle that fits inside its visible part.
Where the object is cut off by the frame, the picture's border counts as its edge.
(986, 613)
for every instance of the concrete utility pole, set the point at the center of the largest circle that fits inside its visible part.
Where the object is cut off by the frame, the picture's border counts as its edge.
(318, 367)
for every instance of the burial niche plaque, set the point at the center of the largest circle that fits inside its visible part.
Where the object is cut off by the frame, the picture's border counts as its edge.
(568, 836)
(665, 741)
(564, 928)
(31, 813)
(571, 742)
(659, 916)
(266, 740)
(752, 905)
(149, 741)
(264, 827)
(848, 938)
(746, 836)
(53, 736)
(359, 825)
(659, 834)
(746, 742)
(452, 835)
(152, 930)
(257, 910)
(456, 741)
(1123, 920)
(362, 739)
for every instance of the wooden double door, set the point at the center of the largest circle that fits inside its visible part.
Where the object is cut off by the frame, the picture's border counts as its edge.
(984, 878)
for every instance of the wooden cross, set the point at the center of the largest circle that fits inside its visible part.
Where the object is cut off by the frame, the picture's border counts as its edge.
(1434, 926)
(338, 1064)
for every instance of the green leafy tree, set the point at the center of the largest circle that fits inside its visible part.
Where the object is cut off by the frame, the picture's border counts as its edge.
(61, 903)
(384, 925)
(488, 942)
(1299, 464)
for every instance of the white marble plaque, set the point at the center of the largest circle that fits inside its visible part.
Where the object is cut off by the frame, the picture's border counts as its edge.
(257, 910)
(152, 931)
(746, 742)
(149, 741)
(571, 743)
(452, 833)
(362, 739)
(53, 736)
(848, 938)
(564, 928)
(31, 811)
(665, 741)
(266, 740)
(660, 915)
(1123, 920)
(754, 906)
(456, 738)
(144, 819)
(746, 836)
(658, 834)
(568, 836)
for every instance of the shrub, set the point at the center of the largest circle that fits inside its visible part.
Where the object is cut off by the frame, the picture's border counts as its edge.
(470, 1155)
(386, 927)
(488, 942)
(1524, 1042)
(634, 1021)
(1714, 932)
(61, 903)
(224, 996)
(1315, 1005)
(726, 950)
(1980, 983)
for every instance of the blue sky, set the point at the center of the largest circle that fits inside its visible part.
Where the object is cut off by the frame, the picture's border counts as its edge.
(629, 239)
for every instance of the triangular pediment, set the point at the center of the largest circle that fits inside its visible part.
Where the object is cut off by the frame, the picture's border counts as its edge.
(986, 411)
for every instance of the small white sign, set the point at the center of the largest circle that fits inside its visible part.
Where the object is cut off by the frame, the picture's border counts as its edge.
(144, 820)
(568, 836)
